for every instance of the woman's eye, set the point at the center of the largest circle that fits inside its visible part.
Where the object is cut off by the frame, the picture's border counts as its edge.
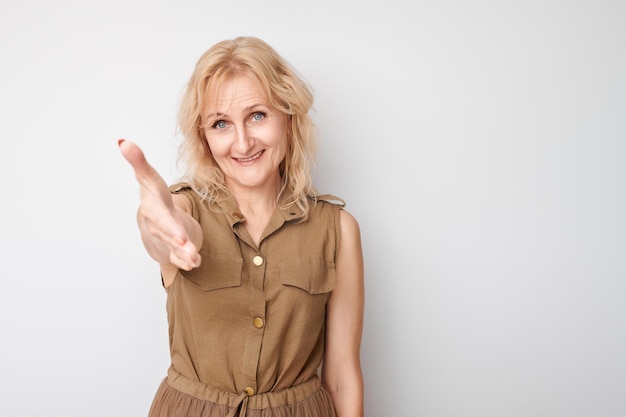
(258, 116)
(220, 124)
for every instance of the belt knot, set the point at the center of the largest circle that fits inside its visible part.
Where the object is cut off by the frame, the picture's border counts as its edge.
(241, 405)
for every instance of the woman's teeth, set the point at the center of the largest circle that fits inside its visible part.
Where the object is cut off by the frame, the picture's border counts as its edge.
(253, 157)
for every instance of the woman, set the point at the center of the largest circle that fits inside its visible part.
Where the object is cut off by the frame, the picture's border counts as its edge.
(264, 277)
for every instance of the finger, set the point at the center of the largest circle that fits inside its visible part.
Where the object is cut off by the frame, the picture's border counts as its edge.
(189, 253)
(185, 260)
(172, 238)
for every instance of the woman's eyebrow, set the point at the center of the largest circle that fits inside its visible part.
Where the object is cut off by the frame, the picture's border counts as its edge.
(245, 110)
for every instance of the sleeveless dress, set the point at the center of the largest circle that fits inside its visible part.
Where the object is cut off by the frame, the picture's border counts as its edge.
(246, 328)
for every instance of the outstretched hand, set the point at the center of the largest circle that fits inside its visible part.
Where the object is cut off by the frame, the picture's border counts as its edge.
(162, 224)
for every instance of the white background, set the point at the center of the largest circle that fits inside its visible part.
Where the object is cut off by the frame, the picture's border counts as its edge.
(481, 145)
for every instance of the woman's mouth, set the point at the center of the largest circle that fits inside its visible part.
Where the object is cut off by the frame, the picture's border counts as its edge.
(252, 158)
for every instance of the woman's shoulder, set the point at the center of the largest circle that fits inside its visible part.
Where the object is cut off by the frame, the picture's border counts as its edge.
(335, 209)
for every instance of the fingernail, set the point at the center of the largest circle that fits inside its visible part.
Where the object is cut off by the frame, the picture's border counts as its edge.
(119, 142)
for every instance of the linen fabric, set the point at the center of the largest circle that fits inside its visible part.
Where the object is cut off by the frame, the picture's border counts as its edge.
(246, 328)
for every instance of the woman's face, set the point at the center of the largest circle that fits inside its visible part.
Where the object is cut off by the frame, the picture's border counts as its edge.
(246, 135)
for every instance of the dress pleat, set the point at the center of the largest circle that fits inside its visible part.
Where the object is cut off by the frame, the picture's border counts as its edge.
(169, 402)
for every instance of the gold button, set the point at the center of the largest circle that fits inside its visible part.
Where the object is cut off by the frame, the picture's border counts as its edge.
(258, 322)
(257, 260)
(249, 391)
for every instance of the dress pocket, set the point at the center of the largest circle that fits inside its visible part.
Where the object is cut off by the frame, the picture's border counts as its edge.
(216, 272)
(313, 275)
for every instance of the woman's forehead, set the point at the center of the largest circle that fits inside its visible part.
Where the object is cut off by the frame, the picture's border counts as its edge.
(239, 90)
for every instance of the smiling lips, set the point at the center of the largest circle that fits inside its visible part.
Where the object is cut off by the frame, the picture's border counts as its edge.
(252, 158)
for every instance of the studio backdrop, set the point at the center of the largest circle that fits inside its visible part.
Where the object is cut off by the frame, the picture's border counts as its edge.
(481, 145)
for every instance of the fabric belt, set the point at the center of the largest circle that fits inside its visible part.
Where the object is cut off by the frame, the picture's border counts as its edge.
(241, 402)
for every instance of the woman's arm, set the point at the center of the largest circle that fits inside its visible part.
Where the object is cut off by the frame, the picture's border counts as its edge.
(169, 233)
(341, 369)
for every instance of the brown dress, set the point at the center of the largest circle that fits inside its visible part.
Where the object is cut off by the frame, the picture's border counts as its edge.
(246, 328)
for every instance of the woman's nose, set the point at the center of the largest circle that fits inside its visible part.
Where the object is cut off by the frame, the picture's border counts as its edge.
(243, 141)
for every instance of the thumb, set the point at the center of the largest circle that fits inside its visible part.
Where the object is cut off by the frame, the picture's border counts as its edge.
(132, 153)
(136, 158)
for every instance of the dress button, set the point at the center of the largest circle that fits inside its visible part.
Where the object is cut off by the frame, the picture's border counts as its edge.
(258, 322)
(257, 260)
(249, 391)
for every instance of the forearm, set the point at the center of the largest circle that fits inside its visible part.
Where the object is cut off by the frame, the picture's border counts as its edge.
(348, 396)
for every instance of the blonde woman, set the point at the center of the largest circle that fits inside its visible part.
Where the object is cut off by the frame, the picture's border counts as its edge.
(264, 276)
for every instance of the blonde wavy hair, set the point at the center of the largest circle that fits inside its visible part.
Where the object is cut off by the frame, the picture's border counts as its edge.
(287, 92)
